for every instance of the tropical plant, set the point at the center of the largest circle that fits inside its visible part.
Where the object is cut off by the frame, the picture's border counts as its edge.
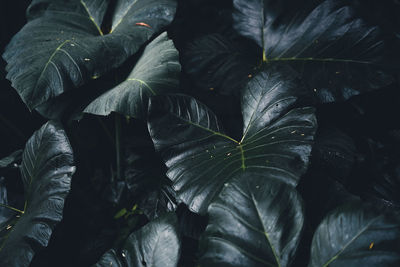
(204, 133)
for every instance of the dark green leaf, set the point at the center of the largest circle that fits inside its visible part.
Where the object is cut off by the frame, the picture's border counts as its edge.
(201, 157)
(336, 53)
(334, 152)
(12, 158)
(156, 244)
(63, 47)
(156, 72)
(255, 221)
(5, 213)
(380, 173)
(144, 176)
(357, 235)
(46, 173)
(216, 62)
(321, 194)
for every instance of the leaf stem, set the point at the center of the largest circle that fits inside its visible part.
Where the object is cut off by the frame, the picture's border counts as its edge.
(117, 144)
(110, 137)
(11, 208)
(12, 127)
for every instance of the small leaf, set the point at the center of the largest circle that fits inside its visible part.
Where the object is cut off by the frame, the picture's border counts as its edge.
(120, 213)
(12, 158)
(5, 213)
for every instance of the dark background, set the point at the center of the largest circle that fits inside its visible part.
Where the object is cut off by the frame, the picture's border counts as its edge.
(17, 123)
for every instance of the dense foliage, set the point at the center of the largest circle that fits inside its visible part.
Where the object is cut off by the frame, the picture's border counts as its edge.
(201, 133)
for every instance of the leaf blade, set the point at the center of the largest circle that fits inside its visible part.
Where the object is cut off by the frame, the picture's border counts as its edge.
(151, 75)
(247, 215)
(47, 167)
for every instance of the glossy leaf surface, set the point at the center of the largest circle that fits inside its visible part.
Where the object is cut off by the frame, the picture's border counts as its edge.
(357, 235)
(156, 244)
(47, 167)
(201, 157)
(156, 72)
(253, 222)
(337, 53)
(63, 46)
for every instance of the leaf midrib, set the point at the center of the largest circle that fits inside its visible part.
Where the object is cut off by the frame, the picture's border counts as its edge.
(123, 16)
(91, 17)
(144, 83)
(312, 59)
(265, 232)
(365, 228)
(239, 144)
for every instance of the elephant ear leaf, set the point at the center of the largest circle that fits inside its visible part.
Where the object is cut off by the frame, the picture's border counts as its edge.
(201, 157)
(156, 244)
(253, 222)
(357, 235)
(337, 54)
(46, 168)
(156, 72)
(63, 45)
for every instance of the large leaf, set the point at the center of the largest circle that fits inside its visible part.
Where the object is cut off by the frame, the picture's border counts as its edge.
(253, 222)
(156, 244)
(357, 235)
(201, 157)
(63, 46)
(156, 72)
(337, 53)
(46, 174)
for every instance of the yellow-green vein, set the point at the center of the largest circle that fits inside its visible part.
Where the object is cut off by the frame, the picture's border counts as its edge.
(265, 232)
(90, 16)
(123, 16)
(50, 60)
(351, 240)
(144, 83)
(318, 59)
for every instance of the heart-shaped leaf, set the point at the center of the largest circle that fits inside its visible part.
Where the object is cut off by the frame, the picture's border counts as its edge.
(201, 157)
(156, 72)
(156, 244)
(63, 46)
(357, 235)
(46, 174)
(253, 222)
(337, 54)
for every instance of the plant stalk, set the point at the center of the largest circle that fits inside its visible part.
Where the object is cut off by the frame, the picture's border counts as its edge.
(11, 208)
(117, 145)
